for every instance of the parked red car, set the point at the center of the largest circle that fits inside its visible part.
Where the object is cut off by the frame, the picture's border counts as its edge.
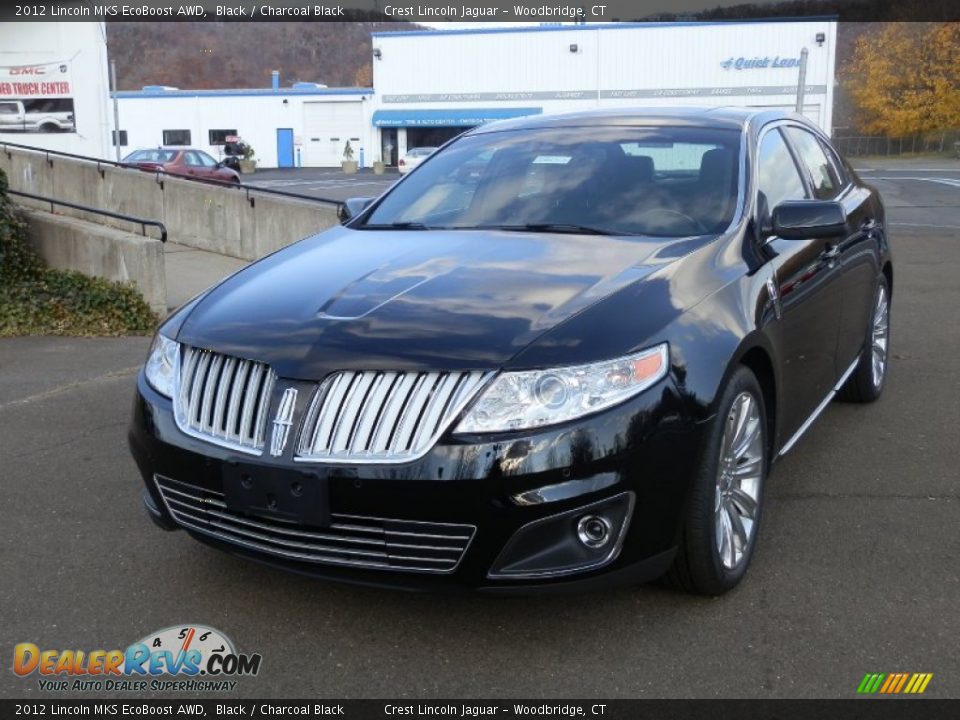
(188, 162)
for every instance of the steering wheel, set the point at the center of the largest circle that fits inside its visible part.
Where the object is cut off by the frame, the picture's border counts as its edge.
(694, 223)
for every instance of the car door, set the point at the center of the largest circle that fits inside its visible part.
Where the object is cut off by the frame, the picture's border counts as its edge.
(207, 168)
(858, 256)
(807, 289)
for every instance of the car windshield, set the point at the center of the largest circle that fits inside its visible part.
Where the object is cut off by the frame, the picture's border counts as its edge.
(610, 180)
(156, 156)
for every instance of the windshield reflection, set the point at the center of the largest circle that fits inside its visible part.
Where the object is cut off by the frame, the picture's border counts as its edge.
(666, 182)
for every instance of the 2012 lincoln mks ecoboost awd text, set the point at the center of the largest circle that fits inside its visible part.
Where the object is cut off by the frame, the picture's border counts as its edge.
(563, 351)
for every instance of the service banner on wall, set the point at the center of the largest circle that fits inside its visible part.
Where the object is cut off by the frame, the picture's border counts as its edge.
(37, 97)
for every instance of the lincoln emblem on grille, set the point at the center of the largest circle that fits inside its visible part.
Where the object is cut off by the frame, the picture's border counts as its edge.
(283, 421)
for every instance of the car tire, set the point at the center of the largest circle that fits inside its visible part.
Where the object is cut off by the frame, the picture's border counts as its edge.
(723, 511)
(867, 382)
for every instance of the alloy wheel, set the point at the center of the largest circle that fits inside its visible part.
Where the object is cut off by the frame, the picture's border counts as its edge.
(738, 480)
(879, 337)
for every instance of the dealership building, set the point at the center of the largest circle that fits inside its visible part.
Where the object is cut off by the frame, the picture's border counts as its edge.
(54, 86)
(430, 85)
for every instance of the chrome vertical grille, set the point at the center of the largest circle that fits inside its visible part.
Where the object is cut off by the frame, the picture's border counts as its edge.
(383, 416)
(223, 399)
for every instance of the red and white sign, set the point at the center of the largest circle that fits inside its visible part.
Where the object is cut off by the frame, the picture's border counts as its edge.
(46, 80)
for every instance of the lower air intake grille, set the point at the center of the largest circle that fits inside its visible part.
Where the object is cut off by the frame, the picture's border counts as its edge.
(351, 540)
(383, 416)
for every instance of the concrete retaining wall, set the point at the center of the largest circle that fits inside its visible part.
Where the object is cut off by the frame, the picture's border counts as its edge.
(68, 243)
(208, 217)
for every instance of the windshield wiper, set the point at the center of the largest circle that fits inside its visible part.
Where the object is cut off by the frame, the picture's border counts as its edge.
(551, 228)
(395, 226)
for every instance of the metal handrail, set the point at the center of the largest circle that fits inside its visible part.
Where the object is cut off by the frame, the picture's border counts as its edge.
(86, 208)
(161, 173)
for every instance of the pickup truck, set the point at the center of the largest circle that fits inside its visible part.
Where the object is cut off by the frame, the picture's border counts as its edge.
(49, 115)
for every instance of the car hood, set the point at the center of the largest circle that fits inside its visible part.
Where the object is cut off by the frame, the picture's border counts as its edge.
(449, 300)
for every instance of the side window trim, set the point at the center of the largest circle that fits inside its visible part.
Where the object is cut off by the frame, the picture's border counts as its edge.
(838, 167)
(798, 162)
(840, 175)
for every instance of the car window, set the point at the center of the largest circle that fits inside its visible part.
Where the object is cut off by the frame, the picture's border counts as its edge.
(156, 156)
(672, 158)
(777, 176)
(835, 162)
(605, 178)
(192, 159)
(8, 108)
(205, 159)
(826, 185)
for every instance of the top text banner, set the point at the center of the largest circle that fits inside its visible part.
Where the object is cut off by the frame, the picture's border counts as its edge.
(431, 11)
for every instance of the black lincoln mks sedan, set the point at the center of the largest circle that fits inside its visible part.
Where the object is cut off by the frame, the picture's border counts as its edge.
(564, 351)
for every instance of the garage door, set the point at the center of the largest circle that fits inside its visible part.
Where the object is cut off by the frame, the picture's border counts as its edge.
(326, 128)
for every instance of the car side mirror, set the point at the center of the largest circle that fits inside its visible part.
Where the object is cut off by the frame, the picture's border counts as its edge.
(807, 219)
(352, 207)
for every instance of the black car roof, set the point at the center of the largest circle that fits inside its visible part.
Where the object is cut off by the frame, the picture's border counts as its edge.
(718, 117)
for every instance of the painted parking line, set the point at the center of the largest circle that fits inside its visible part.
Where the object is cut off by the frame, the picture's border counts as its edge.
(908, 170)
(924, 225)
(953, 182)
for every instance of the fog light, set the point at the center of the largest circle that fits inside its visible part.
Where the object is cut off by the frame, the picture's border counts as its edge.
(577, 540)
(594, 531)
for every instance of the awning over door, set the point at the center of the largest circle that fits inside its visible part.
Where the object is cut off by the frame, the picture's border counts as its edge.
(448, 117)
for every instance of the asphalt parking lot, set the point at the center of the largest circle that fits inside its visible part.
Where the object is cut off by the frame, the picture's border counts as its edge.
(325, 183)
(856, 570)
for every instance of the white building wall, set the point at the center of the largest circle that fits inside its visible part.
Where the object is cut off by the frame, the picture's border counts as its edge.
(74, 53)
(648, 64)
(255, 117)
(554, 69)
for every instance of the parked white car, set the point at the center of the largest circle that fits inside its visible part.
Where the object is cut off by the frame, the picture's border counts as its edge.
(414, 157)
(48, 115)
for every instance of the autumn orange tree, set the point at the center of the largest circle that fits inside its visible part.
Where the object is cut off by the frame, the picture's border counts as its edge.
(906, 79)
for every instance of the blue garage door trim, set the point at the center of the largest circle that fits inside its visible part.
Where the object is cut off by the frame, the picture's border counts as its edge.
(459, 117)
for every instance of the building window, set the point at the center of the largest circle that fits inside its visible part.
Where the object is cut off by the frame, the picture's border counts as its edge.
(176, 137)
(123, 138)
(219, 137)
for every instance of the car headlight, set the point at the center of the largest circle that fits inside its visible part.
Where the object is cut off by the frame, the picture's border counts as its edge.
(530, 399)
(161, 366)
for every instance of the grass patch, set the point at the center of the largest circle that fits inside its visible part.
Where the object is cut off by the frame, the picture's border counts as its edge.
(35, 300)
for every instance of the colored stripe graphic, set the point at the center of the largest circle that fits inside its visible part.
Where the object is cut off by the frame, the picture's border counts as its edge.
(894, 683)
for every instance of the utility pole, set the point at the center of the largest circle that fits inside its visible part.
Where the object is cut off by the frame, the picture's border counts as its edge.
(116, 109)
(802, 81)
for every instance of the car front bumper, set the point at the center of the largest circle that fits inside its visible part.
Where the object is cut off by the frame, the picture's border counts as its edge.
(494, 513)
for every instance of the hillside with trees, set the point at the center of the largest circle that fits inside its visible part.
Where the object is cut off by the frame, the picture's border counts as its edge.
(238, 55)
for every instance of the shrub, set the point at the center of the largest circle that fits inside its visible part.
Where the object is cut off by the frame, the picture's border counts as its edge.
(35, 300)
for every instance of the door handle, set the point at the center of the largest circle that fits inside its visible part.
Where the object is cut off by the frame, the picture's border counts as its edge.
(831, 253)
(868, 225)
